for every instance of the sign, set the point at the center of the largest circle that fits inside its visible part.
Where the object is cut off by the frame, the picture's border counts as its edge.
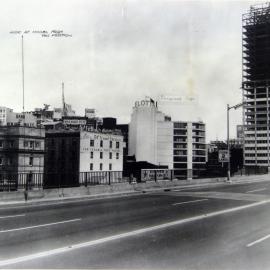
(145, 103)
(90, 113)
(223, 156)
(74, 122)
(154, 174)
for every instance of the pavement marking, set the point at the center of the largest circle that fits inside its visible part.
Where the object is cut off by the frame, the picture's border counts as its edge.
(190, 202)
(22, 215)
(124, 235)
(41, 225)
(255, 190)
(258, 241)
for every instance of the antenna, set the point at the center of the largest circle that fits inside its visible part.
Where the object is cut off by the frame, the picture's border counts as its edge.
(63, 99)
(23, 72)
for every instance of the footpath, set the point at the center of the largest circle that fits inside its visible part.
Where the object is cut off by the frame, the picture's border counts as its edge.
(118, 190)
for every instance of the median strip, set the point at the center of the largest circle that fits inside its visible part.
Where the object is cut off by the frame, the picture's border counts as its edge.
(41, 225)
(92, 243)
(190, 202)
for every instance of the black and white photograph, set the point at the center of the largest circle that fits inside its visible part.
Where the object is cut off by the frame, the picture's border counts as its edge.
(135, 134)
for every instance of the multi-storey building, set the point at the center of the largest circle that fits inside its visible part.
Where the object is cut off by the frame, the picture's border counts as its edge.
(256, 86)
(154, 138)
(69, 153)
(21, 152)
(189, 154)
(10, 118)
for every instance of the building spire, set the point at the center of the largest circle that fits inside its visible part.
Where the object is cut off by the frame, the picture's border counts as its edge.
(63, 99)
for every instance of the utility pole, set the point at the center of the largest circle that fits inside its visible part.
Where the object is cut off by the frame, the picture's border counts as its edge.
(228, 136)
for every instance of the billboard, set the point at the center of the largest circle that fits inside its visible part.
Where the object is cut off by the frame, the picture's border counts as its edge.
(223, 156)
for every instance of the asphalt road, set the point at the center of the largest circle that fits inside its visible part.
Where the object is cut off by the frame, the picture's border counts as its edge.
(159, 230)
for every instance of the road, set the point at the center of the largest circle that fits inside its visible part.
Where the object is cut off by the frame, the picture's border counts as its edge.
(223, 227)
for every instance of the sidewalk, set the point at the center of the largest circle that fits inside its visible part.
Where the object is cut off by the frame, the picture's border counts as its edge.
(117, 190)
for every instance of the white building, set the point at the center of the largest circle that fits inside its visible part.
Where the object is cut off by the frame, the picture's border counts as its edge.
(154, 138)
(101, 152)
(10, 118)
(150, 135)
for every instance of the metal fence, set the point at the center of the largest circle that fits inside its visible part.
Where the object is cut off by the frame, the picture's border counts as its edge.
(17, 181)
(101, 178)
(30, 181)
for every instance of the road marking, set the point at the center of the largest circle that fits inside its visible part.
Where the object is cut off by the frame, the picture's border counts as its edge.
(258, 241)
(124, 235)
(22, 215)
(255, 190)
(41, 225)
(190, 202)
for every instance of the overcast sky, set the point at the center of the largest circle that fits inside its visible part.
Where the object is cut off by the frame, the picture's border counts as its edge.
(122, 50)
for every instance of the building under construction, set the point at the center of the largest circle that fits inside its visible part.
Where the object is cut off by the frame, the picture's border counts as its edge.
(256, 86)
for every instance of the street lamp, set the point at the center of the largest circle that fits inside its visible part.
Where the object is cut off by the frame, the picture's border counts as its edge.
(228, 136)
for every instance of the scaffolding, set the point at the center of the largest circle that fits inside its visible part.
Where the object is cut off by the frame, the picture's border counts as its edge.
(255, 84)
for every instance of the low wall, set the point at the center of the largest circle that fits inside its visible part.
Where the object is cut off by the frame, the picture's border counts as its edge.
(116, 188)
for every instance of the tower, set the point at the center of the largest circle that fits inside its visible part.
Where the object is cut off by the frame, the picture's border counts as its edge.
(255, 85)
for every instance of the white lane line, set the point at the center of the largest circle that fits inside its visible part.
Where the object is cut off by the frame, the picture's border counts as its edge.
(190, 202)
(255, 190)
(124, 235)
(22, 215)
(41, 225)
(258, 241)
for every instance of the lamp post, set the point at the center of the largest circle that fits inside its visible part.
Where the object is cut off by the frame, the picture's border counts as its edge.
(228, 136)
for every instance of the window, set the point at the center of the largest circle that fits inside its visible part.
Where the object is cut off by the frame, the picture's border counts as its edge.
(11, 144)
(9, 161)
(110, 144)
(101, 154)
(110, 155)
(117, 144)
(91, 166)
(92, 142)
(117, 155)
(100, 166)
(91, 154)
(25, 144)
(31, 144)
(37, 144)
(110, 166)
(1, 161)
(31, 159)
(1, 144)
(101, 143)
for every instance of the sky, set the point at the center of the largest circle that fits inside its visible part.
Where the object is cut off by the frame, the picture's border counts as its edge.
(116, 52)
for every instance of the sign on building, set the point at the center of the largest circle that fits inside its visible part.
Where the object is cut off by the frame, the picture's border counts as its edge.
(155, 174)
(223, 156)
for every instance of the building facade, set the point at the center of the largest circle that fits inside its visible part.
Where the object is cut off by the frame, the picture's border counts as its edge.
(70, 153)
(21, 152)
(154, 138)
(10, 118)
(256, 86)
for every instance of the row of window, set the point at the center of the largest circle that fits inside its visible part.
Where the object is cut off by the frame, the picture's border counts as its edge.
(101, 155)
(30, 144)
(10, 161)
(258, 155)
(100, 166)
(258, 161)
(92, 143)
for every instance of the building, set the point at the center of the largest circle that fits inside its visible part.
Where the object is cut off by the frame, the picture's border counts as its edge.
(70, 153)
(255, 85)
(178, 145)
(189, 154)
(21, 152)
(10, 118)
(150, 135)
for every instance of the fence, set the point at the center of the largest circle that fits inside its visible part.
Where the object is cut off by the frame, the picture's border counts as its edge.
(16, 181)
(30, 181)
(101, 178)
